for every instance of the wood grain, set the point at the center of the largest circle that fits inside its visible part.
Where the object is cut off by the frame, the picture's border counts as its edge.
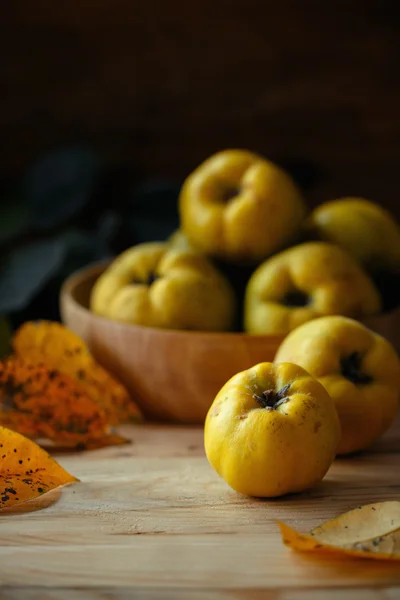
(190, 594)
(160, 86)
(154, 518)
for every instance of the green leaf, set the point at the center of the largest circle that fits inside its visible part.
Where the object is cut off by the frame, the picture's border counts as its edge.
(108, 225)
(82, 248)
(26, 270)
(14, 218)
(60, 184)
(5, 337)
(157, 199)
(155, 210)
(147, 229)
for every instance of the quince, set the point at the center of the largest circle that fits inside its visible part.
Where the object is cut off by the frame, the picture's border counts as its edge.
(153, 285)
(179, 241)
(359, 369)
(239, 207)
(304, 282)
(271, 430)
(365, 229)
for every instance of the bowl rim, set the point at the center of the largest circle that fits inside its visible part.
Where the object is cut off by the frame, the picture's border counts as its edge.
(77, 277)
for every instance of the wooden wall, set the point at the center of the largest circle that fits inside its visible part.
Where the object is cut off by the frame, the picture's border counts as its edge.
(162, 84)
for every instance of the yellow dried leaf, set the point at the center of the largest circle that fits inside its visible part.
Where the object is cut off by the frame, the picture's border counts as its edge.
(43, 403)
(53, 345)
(370, 531)
(26, 470)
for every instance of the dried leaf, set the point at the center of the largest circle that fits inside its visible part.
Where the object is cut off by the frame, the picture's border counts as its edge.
(39, 402)
(26, 471)
(52, 344)
(370, 531)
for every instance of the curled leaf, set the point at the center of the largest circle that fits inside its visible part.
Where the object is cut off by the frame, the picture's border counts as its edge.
(370, 531)
(52, 344)
(39, 402)
(26, 470)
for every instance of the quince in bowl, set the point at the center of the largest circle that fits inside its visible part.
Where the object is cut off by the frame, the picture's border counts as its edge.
(240, 207)
(304, 282)
(156, 286)
(367, 231)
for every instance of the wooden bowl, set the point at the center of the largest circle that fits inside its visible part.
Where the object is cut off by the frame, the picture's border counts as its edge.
(173, 375)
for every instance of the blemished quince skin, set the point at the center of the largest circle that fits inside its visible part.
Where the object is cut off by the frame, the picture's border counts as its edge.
(366, 230)
(305, 282)
(272, 430)
(240, 207)
(153, 285)
(359, 369)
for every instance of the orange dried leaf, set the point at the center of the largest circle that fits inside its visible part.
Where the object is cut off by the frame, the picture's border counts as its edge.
(39, 402)
(26, 470)
(370, 531)
(52, 344)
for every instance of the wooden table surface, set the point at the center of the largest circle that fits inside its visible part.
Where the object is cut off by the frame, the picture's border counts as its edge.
(152, 520)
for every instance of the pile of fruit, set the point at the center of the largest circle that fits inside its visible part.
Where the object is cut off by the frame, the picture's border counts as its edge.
(250, 256)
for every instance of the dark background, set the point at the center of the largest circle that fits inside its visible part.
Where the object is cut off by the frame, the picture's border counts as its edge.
(161, 85)
(136, 94)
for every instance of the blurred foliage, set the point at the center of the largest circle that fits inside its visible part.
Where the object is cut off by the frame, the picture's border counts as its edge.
(67, 210)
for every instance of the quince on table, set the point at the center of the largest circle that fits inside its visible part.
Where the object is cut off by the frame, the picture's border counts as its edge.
(359, 369)
(271, 430)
